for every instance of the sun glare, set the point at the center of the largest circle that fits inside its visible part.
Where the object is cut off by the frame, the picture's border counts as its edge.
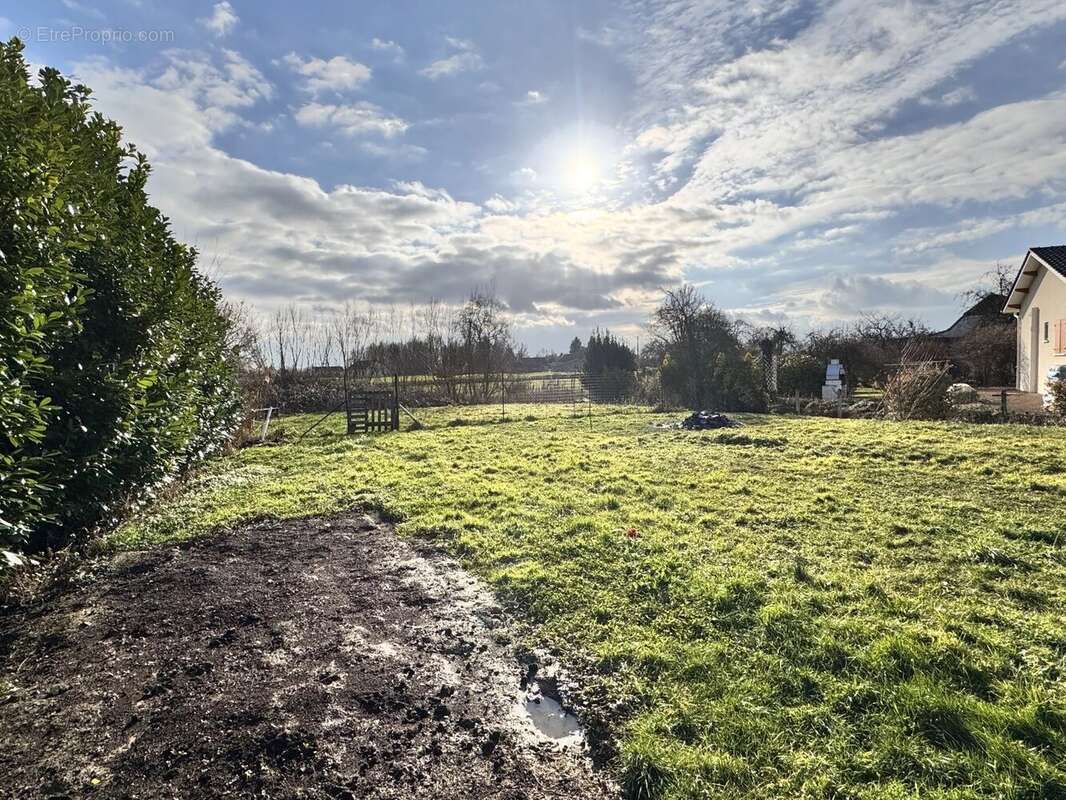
(581, 171)
(577, 162)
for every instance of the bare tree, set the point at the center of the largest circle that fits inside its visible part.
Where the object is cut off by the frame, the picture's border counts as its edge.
(290, 335)
(356, 329)
(278, 339)
(996, 282)
(485, 336)
(242, 335)
(889, 330)
(321, 338)
(297, 334)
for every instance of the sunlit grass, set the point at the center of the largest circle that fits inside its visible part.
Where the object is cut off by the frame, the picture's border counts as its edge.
(812, 607)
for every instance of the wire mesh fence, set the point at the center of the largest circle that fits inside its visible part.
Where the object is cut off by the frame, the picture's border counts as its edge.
(525, 395)
(325, 397)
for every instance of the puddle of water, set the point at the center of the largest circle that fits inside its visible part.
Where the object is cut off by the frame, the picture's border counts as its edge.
(552, 721)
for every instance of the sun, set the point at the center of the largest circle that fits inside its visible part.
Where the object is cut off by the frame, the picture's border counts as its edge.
(578, 163)
(581, 171)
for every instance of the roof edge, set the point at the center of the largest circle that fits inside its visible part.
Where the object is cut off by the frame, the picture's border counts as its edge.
(1008, 308)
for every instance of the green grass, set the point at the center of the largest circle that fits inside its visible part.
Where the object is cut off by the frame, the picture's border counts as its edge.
(813, 607)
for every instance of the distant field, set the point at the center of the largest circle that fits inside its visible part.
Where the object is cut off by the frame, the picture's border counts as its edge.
(806, 607)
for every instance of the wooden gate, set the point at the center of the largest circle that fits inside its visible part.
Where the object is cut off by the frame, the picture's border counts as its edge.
(373, 410)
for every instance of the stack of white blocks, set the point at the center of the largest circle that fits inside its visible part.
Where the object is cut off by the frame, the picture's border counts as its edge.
(835, 387)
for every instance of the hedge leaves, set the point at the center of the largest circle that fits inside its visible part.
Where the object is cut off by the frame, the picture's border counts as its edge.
(114, 373)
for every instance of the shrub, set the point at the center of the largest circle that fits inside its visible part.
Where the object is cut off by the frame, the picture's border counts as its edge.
(1056, 389)
(975, 412)
(917, 391)
(114, 375)
(800, 373)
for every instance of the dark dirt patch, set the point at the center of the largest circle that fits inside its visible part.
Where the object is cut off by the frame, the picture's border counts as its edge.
(318, 658)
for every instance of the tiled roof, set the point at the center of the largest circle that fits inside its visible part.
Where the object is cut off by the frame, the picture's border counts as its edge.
(1054, 257)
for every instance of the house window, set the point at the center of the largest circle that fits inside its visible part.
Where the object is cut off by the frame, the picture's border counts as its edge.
(1047, 332)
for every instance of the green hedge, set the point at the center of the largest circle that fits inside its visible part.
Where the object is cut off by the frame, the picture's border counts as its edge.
(114, 370)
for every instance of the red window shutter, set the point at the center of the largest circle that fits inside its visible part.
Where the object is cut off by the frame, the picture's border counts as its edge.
(1060, 335)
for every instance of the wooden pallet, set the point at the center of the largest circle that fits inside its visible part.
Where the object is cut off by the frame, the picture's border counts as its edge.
(373, 411)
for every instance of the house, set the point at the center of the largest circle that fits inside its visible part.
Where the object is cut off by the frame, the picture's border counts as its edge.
(1037, 299)
(984, 312)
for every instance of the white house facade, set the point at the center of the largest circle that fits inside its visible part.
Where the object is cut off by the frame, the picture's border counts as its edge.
(1038, 300)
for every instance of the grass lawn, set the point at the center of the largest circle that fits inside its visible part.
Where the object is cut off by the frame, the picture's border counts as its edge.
(810, 608)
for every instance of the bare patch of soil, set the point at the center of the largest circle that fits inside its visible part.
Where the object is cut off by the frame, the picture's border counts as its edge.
(317, 658)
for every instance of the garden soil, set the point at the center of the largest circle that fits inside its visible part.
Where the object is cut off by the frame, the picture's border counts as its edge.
(315, 658)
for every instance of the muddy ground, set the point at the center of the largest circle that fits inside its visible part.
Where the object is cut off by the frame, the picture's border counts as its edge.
(319, 658)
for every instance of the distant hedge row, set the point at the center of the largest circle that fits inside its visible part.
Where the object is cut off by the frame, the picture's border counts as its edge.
(114, 372)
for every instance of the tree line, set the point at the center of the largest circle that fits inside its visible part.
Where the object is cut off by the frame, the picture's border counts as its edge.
(696, 355)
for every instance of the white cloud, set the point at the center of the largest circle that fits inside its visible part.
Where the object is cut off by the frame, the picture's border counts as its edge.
(467, 59)
(787, 150)
(222, 20)
(453, 65)
(963, 94)
(352, 119)
(218, 88)
(973, 229)
(283, 236)
(388, 46)
(848, 295)
(769, 115)
(460, 44)
(500, 205)
(394, 151)
(795, 135)
(534, 97)
(338, 74)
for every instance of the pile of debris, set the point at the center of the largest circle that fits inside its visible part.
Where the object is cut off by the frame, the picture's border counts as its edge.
(706, 421)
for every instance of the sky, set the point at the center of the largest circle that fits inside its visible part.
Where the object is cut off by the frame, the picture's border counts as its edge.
(800, 162)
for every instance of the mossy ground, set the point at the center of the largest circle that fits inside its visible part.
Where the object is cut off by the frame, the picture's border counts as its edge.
(809, 607)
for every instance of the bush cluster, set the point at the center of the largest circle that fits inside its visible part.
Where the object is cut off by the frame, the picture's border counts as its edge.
(114, 372)
(1057, 390)
(917, 391)
(800, 373)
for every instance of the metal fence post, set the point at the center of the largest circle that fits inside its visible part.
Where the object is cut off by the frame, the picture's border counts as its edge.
(395, 402)
(266, 423)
